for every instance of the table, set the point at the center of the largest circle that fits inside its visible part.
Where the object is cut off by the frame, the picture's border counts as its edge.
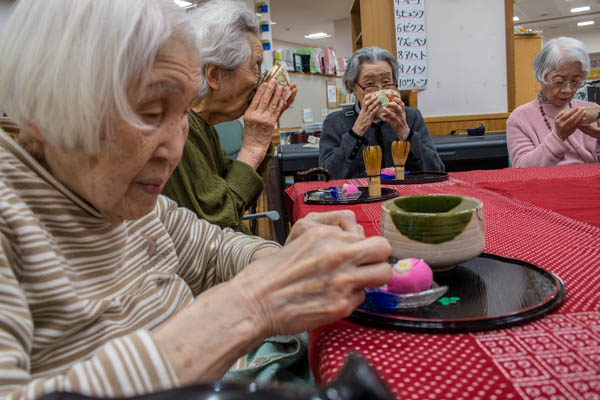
(457, 152)
(555, 357)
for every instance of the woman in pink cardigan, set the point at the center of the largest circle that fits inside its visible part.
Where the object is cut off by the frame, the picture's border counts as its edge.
(552, 129)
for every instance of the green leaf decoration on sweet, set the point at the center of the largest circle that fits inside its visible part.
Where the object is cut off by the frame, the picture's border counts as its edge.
(383, 100)
(446, 301)
(428, 228)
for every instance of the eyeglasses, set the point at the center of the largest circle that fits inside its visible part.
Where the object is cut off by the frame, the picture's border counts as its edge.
(563, 84)
(257, 75)
(260, 78)
(373, 88)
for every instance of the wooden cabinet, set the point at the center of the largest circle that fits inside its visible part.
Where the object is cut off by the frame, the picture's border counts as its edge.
(526, 86)
(373, 24)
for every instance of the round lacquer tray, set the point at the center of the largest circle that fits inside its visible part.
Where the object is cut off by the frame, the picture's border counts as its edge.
(486, 292)
(417, 177)
(322, 196)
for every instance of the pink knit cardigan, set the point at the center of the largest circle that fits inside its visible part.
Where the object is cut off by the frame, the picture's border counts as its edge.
(531, 143)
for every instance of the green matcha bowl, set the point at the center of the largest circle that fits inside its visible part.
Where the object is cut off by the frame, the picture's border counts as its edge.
(442, 229)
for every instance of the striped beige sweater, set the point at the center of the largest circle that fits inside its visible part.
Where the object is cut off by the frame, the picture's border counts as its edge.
(79, 296)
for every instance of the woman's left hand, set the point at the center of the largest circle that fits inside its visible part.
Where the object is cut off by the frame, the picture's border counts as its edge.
(395, 115)
(592, 130)
(343, 219)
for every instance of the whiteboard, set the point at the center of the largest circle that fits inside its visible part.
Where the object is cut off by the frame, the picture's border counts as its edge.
(466, 49)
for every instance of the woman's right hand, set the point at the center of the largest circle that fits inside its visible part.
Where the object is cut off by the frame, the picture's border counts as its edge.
(568, 121)
(313, 280)
(260, 119)
(368, 110)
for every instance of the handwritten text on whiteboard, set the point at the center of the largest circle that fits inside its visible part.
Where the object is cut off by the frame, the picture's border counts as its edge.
(411, 43)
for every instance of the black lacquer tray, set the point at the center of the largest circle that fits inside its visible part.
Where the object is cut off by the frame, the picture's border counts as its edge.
(321, 196)
(486, 292)
(418, 177)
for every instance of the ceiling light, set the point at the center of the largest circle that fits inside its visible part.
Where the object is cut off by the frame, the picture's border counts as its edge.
(273, 22)
(320, 35)
(584, 23)
(580, 9)
(183, 3)
(515, 18)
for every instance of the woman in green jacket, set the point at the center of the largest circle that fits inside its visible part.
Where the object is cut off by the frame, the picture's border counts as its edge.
(207, 181)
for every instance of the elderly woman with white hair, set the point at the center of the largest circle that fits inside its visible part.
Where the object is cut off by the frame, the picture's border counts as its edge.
(368, 123)
(106, 287)
(207, 181)
(552, 129)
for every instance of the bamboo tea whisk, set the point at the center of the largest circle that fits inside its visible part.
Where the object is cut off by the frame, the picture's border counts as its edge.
(400, 150)
(372, 158)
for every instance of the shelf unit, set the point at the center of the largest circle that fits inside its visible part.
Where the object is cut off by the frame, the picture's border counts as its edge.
(312, 73)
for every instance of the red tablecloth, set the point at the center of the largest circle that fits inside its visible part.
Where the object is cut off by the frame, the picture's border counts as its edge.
(573, 191)
(556, 357)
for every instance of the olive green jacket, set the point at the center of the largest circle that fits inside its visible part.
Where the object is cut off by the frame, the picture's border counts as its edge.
(208, 182)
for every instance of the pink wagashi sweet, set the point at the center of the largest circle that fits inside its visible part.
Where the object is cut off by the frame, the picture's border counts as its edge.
(410, 275)
(350, 188)
(388, 171)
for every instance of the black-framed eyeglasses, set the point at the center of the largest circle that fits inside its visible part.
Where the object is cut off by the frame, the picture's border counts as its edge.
(560, 84)
(373, 88)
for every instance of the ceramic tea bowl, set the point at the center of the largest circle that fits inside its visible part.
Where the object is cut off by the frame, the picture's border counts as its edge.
(442, 229)
(387, 95)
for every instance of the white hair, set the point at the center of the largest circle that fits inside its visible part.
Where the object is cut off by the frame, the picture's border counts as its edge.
(69, 66)
(557, 51)
(221, 29)
(368, 55)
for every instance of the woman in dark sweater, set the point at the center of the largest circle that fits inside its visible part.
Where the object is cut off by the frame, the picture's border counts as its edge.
(366, 123)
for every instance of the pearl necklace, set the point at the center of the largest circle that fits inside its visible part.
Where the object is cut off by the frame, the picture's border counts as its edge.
(544, 113)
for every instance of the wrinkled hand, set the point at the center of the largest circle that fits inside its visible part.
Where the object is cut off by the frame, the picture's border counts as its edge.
(567, 122)
(316, 279)
(368, 111)
(395, 115)
(293, 90)
(592, 130)
(343, 219)
(259, 121)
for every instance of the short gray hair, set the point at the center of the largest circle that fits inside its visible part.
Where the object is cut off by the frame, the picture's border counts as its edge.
(369, 55)
(557, 51)
(221, 27)
(69, 66)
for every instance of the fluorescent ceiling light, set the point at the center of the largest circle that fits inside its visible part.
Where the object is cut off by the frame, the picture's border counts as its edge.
(183, 3)
(515, 18)
(320, 35)
(580, 9)
(584, 23)
(273, 22)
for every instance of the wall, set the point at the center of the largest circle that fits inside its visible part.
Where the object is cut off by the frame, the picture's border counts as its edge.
(590, 38)
(311, 94)
(5, 11)
(281, 44)
(342, 33)
(467, 59)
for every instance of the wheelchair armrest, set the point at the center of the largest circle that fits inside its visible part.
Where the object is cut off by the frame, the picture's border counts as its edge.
(304, 175)
(271, 215)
